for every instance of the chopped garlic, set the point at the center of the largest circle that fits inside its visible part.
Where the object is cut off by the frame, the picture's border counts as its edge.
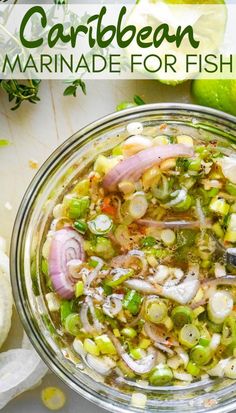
(135, 144)
(134, 128)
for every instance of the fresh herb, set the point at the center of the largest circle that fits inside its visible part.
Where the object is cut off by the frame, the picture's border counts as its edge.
(183, 164)
(137, 101)
(20, 92)
(71, 90)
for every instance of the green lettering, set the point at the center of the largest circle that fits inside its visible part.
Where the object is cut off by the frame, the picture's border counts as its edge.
(101, 32)
(31, 44)
(7, 63)
(58, 30)
(142, 35)
(189, 32)
(122, 32)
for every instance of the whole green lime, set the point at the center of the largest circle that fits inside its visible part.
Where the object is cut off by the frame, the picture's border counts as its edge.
(218, 94)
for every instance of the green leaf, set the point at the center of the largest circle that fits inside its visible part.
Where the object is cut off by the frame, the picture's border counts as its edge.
(70, 90)
(138, 100)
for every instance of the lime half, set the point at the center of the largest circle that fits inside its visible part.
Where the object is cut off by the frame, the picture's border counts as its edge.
(208, 19)
(219, 94)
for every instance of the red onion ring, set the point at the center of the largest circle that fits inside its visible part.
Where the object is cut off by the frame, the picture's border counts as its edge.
(66, 245)
(145, 365)
(133, 167)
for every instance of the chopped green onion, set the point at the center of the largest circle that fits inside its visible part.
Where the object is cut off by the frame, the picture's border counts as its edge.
(161, 375)
(230, 235)
(65, 309)
(132, 301)
(219, 306)
(195, 164)
(101, 225)
(230, 369)
(78, 207)
(212, 192)
(102, 247)
(219, 206)
(73, 324)
(82, 187)
(137, 353)
(189, 335)
(91, 347)
(181, 315)
(148, 242)
(184, 205)
(204, 341)
(144, 343)
(125, 105)
(168, 237)
(123, 275)
(229, 330)
(129, 332)
(201, 355)
(156, 310)
(81, 226)
(193, 369)
(79, 289)
(230, 188)
(217, 229)
(105, 345)
(138, 205)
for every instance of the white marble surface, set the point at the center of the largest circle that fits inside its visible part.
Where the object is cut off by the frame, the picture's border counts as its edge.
(34, 131)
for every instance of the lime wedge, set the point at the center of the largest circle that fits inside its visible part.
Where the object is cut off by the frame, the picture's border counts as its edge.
(203, 15)
(219, 94)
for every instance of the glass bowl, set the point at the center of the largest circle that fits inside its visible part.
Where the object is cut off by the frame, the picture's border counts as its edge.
(32, 223)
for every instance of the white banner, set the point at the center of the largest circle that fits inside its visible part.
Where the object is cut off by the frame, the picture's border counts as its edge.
(116, 41)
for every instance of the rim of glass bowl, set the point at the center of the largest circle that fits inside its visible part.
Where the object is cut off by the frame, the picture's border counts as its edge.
(87, 387)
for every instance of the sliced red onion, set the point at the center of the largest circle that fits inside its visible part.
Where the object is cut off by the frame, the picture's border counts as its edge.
(142, 366)
(227, 280)
(140, 285)
(145, 365)
(98, 364)
(113, 305)
(158, 335)
(88, 328)
(164, 348)
(134, 166)
(182, 293)
(168, 224)
(200, 214)
(93, 274)
(66, 245)
(180, 197)
(127, 261)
